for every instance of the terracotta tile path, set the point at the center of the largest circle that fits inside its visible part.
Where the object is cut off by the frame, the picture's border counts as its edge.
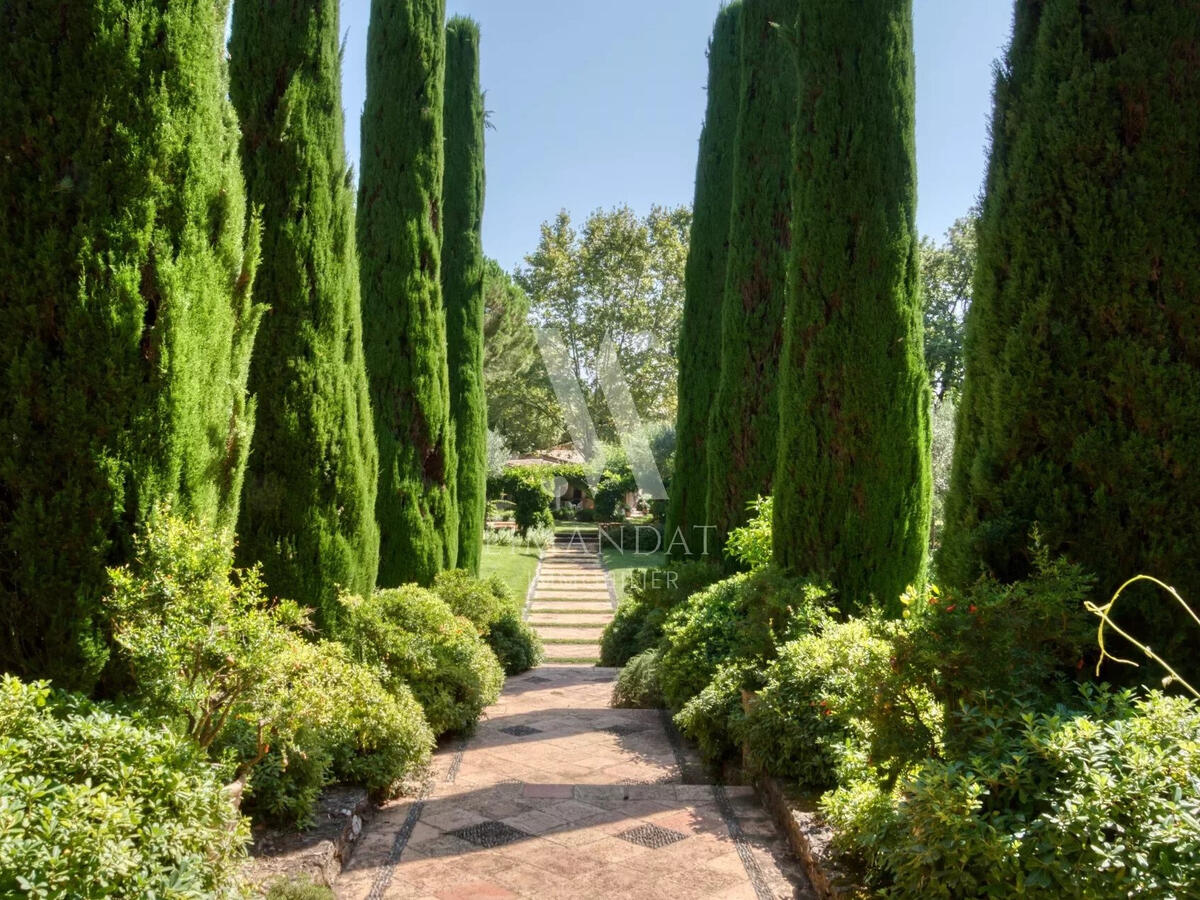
(557, 795)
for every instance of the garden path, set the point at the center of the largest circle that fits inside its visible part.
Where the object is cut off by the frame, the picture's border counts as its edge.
(557, 795)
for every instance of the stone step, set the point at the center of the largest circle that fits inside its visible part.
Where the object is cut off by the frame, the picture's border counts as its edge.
(575, 633)
(552, 593)
(570, 606)
(572, 651)
(598, 619)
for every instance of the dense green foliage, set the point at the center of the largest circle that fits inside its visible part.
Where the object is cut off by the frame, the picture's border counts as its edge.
(462, 281)
(1097, 800)
(637, 685)
(947, 270)
(620, 276)
(743, 618)
(496, 614)
(400, 245)
(745, 409)
(520, 400)
(852, 495)
(203, 648)
(704, 285)
(308, 515)
(417, 640)
(1082, 401)
(96, 804)
(638, 623)
(125, 305)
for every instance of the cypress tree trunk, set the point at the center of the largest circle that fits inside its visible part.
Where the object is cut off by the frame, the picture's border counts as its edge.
(700, 331)
(124, 305)
(1082, 406)
(852, 500)
(462, 281)
(745, 414)
(309, 509)
(400, 245)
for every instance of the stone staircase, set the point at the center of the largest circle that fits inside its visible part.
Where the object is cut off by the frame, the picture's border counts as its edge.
(571, 599)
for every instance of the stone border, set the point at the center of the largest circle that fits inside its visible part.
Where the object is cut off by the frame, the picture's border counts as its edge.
(319, 853)
(810, 838)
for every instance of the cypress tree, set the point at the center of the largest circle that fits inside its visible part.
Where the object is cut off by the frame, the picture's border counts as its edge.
(125, 305)
(745, 413)
(704, 286)
(852, 500)
(1081, 411)
(400, 248)
(309, 508)
(462, 281)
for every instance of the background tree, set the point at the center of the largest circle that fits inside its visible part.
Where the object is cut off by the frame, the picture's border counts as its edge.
(520, 402)
(700, 331)
(309, 509)
(745, 411)
(852, 498)
(462, 281)
(1081, 412)
(400, 244)
(622, 277)
(946, 273)
(125, 306)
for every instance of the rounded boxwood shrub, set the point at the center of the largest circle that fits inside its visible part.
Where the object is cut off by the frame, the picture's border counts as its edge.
(637, 686)
(96, 804)
(741, 618)
(515, 643)
(638, 623)
(490, 606)
(419, 643)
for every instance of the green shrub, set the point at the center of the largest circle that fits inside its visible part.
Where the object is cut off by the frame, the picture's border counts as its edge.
(638, 623)
(741, 618)
(349, 729)
(95, 804)
(420, 643)
(714, 717)
(836, 686)
(1098, 800)
(637, 686)
(531, 498)
(1013, 639)
(490, 606)
(610, 494)
(515, 644)
(482, 601)
(750, 545)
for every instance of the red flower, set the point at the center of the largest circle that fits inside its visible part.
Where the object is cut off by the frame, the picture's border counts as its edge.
(951, 607)
(972, 609)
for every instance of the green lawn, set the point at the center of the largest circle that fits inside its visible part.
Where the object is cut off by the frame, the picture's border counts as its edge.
(622, 564)
(515, 565)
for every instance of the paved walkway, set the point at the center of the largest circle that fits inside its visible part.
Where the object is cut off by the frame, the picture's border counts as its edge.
(557, 795)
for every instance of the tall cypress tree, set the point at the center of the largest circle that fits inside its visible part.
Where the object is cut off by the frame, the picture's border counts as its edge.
(852, 498)
(400, 245)
(125, 305)
(1082, 405)
(309, 509)
(745, 412)
(704, 285)
(462, 281)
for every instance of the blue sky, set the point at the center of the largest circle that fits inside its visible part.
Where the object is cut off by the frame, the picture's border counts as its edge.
(598, 104)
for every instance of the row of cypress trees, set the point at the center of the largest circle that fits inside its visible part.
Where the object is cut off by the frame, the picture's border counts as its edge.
(1082, 396)
(137, 366)
(1081, 407)
(805, 215)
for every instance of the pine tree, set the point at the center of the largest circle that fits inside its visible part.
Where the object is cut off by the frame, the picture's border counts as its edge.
(462, 280)
(309, 508)
(1081, 412)
(125, 305)
(700, 332)
(745, 411)
(852, 497)
(400, 247)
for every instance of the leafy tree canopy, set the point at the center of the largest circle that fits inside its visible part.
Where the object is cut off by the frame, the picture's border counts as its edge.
(947, 269)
